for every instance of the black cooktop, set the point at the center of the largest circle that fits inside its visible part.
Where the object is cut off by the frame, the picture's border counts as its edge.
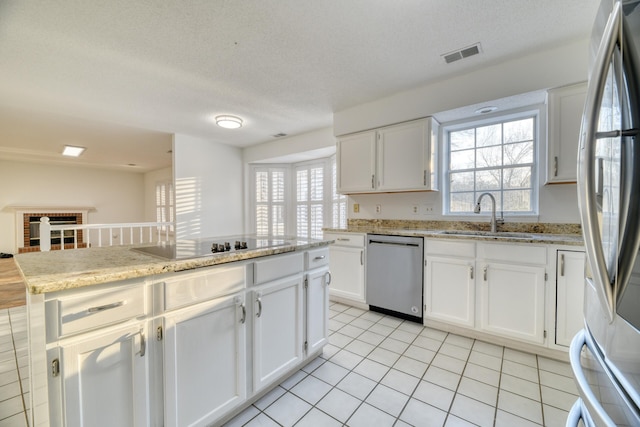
(185, 249)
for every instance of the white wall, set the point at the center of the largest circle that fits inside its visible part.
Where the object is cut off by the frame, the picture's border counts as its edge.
(299, 146)
(116, 196)
(150, 181)
(556, 67)
(208, 188)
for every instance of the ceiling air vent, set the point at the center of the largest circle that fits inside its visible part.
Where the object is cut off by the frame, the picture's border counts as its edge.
(461, 53)
(279, 135)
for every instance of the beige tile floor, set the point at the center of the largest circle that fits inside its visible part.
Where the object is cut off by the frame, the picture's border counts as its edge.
(376, 371)
(382, 371)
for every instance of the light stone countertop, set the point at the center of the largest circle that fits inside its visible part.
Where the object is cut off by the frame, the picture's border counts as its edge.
(500, 236)
(59, 270)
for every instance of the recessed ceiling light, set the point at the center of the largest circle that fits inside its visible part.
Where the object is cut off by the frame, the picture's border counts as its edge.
(229, 122)
(487, 109)
(71, 151)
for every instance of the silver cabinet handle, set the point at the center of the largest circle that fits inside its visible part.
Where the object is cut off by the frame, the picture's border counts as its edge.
(143, 344)
(259, 301)
(484, 270)
(244, 313)
(328, 281)
(318, 258)
(561, 265)
(105, 307)
(471, 272)
(342, 239)
(361, 257)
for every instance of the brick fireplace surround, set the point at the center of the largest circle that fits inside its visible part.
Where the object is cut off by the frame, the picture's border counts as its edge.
(27, 230)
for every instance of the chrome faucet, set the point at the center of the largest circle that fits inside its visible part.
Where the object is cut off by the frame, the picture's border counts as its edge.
(494, 227)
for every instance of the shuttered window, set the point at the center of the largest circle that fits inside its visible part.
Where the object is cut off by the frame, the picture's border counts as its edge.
(270, 201)
(164, 201)
(310, 200)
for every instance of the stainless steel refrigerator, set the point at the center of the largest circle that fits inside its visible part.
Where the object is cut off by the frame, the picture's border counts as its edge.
(605, 355)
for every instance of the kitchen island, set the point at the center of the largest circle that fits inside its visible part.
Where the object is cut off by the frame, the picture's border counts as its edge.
(121, 337)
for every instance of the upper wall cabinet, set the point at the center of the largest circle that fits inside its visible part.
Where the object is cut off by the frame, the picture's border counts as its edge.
(565, 115)
(394, 158)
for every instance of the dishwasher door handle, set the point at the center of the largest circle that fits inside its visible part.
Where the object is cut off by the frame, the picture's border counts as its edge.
(378, 242)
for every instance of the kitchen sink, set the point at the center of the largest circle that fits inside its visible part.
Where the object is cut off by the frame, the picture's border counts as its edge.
(497, 234)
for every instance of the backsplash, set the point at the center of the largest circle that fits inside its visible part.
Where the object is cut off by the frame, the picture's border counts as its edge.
(513, 227)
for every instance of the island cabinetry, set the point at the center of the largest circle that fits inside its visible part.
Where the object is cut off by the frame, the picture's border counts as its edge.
(347, 263)
(276, 300)
(512, 290)
(566, 105)
(98, 356)
(450, 282)
(570, 280)
(204, 345)
(316, 300)
(395, 158)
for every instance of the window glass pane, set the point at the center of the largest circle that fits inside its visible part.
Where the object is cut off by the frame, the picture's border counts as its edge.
(262, 187)
(517, 201)
(489, 135)
(519, 130)
(489, 157)
(519, 153)
(262, 220)
(462, 139)
(517, 178)
(317, 188)
(462, 160)
(277, 185)
(316, 221)
(277, 216)
(461, 202)
(462, 181)
(302, 186)
(488, 180)
(302, 221)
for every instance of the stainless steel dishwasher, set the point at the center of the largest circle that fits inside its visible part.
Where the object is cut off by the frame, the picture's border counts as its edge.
(395, 275)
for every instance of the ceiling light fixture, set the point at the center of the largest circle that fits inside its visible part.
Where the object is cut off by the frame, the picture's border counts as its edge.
(229, 122)
(487, 109)
(71, 151)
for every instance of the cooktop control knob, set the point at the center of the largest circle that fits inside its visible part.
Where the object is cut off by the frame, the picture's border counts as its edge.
(237, 245)
(227, 246)
(243, 245)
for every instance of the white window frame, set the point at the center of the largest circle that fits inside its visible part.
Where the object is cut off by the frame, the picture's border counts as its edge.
(539, 141)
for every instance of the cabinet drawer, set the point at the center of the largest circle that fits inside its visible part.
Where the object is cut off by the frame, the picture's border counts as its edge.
(317, 258)
(183, 289)
(96, 310)
(513, 253)
(277, 266)
(346, 239)
(442, 247)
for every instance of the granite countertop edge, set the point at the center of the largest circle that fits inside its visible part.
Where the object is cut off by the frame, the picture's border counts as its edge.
(45, 272)
(535, 238)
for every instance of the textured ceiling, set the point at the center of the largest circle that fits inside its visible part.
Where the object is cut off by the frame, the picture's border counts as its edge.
(282, 65)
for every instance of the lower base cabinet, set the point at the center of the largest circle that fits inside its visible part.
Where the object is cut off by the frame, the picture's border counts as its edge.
(450, 290)
(512, 301)
(204, 361)
(569, 295)
(106, 379)
(277, 329)
(317, 304)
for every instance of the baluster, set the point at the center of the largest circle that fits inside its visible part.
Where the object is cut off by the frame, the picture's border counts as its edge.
(75, 238)
(121, 238)
(45, 234)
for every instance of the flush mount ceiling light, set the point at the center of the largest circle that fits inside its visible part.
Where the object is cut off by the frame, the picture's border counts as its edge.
(229, 122)
(487, 109)
(71, 151)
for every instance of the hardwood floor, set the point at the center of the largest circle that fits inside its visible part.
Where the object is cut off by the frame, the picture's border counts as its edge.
(12, 289)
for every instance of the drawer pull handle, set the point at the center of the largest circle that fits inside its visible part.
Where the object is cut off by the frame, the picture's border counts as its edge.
(342, 239)
(318, 258)
(106, 307)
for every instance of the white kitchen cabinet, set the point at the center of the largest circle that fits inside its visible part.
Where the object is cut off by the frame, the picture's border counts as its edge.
(356, 159)
(346, 260)
(450, 290)
(565, 107)
(277, 329)
(106, 378)
(512, 300)
(570, 280)
(317, 304)
(204, 361)
(395, 158)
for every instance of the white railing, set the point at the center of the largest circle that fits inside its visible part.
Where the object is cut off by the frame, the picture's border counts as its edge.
(98, 235)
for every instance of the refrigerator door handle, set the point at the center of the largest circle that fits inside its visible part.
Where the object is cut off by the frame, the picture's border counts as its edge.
(587, 188)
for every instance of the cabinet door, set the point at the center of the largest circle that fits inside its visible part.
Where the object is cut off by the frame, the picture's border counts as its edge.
(569, 295)
(317, 313)
(356, 157)
(403, 152)
(347, 271)
(565, 115)
(450, 290)
(512, 301)
(106, 378)
(277, 329)
(204, 357)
